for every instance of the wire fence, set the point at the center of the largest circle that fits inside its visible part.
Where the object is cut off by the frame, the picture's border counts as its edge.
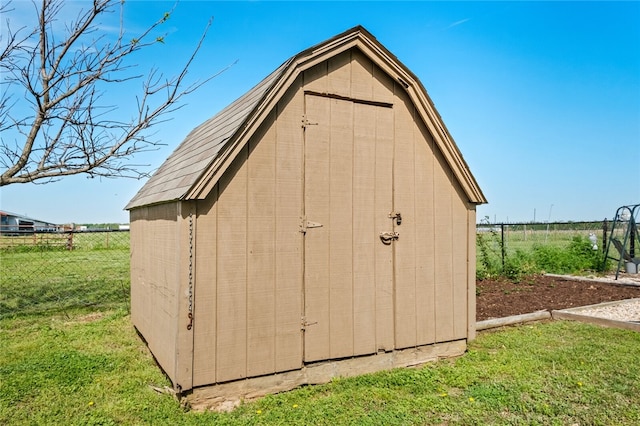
(505, 238)
(46, 272)
(509, 237)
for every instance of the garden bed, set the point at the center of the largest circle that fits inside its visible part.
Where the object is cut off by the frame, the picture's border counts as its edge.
(501, 297)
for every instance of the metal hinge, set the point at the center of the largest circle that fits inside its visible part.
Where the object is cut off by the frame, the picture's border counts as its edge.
(306, 122)
(305, 224)
(304, 324)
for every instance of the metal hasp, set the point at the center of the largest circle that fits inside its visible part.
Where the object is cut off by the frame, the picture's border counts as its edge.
(397, 216)
(626, 220)
(388, 237)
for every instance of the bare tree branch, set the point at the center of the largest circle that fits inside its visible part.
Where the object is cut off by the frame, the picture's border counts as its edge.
(61, 125)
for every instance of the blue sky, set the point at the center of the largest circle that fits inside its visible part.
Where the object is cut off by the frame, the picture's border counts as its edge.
(542, 98)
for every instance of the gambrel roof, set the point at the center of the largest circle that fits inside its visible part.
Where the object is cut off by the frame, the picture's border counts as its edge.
(199, 161)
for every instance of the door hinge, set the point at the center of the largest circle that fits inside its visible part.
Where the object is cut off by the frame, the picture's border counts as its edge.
(304, 323)
(306, 224)
(306, 122)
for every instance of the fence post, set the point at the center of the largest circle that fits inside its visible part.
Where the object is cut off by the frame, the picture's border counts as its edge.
(70, 241)
(604, 235)
(502, 250)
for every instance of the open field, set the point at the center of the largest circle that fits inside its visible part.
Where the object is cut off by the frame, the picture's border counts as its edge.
(46, 278)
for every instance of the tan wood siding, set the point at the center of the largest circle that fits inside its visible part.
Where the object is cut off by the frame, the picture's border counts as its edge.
(425, 242)
(383, 202)
(431, 269)
(459, 259)
(155, 280)
(404, 202)
(248, 320)
(316, 266)
(338, 79)
(364, 240)
(361, 75)
(340, 226)
(444, 249)
(231, 269)
(346, 265)
(205, 301)
(429, 288)
(187, 230)
(288, 238)
(261, 228)
(471, 271)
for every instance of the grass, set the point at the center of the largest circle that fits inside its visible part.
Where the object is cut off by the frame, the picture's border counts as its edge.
(92, 368)
(71, 356)
(44, 279)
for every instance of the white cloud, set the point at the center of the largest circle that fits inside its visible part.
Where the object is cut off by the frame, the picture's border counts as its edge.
(460, 22)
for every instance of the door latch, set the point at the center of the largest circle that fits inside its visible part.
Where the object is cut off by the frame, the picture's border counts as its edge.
(397, 216)
(388, 237)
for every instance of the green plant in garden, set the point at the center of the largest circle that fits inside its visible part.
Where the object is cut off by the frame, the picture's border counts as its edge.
(575, 257)
(489, 248)
(518, 264)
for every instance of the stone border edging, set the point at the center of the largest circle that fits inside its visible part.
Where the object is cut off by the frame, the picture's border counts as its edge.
(562, 314)
(604, 280)
(514, 319)
(574, 314)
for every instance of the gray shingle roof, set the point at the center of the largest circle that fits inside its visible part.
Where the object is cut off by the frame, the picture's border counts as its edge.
(192, 157)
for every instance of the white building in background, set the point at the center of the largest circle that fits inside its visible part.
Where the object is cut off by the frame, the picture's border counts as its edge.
(15, 223)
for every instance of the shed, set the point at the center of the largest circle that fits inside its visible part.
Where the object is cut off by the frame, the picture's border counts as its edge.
(322, 224)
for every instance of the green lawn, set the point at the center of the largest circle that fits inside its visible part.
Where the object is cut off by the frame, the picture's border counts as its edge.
(92, 368)
(71, 356)
(43, 280)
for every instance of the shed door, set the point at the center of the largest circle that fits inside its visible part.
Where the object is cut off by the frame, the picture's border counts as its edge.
(348, 277)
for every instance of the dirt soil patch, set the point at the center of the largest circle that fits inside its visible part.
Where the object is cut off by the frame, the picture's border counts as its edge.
(501, 297)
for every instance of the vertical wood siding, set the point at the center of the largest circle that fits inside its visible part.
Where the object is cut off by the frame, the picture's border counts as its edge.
(248, 323)
(364, 296)
(231, 269)
(426, 230)
(155, 280)
(404, 199)
(205, 293)
(288, 260)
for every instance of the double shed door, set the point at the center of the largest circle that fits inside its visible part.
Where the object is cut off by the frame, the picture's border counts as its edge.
(348, 202)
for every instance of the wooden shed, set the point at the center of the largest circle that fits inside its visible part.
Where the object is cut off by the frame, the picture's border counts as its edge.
(323, 221)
